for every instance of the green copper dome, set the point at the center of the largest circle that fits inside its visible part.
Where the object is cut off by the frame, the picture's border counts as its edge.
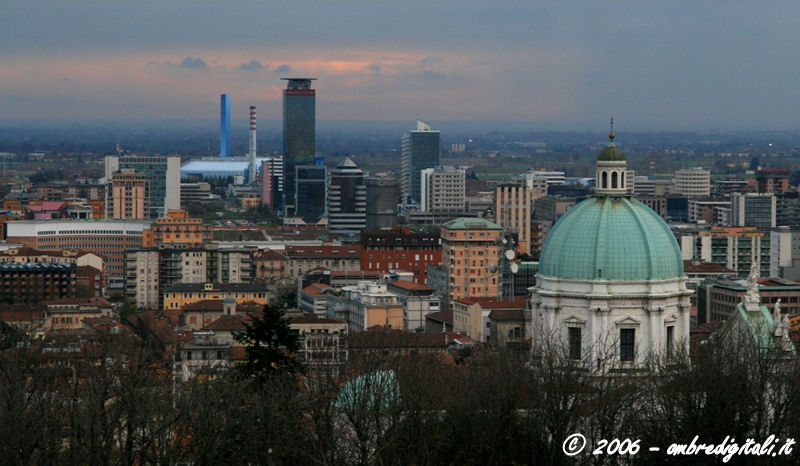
(611, 153)
(611, 238)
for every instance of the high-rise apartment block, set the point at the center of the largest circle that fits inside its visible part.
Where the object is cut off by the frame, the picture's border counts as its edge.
(272, 183)
(225, 125)
(347, 199)
(693, 182)
(163, 173)
(420, 150)
(773, 180)
(442, 189)
(471, 255)
(129, 196)
(753, 210)
(513, 210)
(299, 131)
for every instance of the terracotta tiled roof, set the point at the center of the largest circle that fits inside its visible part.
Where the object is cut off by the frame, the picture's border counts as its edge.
(315, 289)
(411, 286)
(507, 315)
(704, 267)
(93, 301)
(205, 305)
(269, 254)
(227, 323)
(441, 316)
(493, 303)
(21, 316)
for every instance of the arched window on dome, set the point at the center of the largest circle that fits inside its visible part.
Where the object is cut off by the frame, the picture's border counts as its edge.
(604, 184)
(622, 180)
(613, 180)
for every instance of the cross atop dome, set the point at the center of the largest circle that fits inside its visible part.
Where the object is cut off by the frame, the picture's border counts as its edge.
(611, 133)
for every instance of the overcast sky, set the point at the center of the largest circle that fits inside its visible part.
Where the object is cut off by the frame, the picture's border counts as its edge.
(668, 65)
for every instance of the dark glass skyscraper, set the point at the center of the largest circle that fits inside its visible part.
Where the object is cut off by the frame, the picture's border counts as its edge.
(310, 187)
(347, 199)
(420, 150)
(299, 131)
(225, 125)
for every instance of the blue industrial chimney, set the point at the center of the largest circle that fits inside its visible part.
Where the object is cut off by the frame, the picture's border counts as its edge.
(225, 125)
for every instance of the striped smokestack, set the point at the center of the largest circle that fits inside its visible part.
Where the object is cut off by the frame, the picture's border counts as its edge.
(252, 168)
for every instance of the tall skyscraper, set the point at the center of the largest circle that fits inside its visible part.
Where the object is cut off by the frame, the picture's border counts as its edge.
(420, 150)
(347, 199)
(299, 131)
(164, 174)
(225, 125)
(310, 186)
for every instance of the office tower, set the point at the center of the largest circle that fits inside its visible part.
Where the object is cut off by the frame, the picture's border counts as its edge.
(225, 125)
(347, 199)
(383, 195)
(753, 210)
(442, 189)
(310, 186)
(693, 182)
(163, 172)
(420, 150)
(299, 131)
(513, 204)
(128, 194)
(251, 167)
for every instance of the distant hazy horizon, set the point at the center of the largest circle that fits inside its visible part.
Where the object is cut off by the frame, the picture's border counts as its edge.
(656, 65)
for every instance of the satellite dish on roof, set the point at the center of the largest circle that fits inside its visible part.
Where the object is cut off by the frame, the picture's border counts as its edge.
(505, 241)
(514, 268)
(509, 254)
(493, 268)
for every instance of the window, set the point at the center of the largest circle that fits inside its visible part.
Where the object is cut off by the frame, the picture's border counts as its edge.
(574, 343)
(627, 336)
(670, 335)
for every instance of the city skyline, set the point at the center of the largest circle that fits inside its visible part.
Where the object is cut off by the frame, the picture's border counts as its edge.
(664, 65)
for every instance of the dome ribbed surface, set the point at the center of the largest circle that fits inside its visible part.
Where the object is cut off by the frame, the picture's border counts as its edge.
(611, 153)
(611, 238)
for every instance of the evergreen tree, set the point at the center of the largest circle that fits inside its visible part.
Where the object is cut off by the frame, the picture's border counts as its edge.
(271, 344)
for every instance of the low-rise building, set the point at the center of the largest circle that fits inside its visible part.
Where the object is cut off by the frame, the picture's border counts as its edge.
(178, 296)
(301, 259)
(417, 300)
(471, 315)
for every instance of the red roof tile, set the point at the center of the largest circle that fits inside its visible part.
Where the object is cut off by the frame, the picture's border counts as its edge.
(227, 323)
(205, 305)
(411, 286)
(315, 289)
(493, 303)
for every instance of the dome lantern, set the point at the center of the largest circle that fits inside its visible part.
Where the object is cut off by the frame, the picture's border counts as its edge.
(611, 168)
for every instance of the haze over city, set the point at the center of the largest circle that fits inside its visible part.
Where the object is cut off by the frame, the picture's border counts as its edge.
(558, 65)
